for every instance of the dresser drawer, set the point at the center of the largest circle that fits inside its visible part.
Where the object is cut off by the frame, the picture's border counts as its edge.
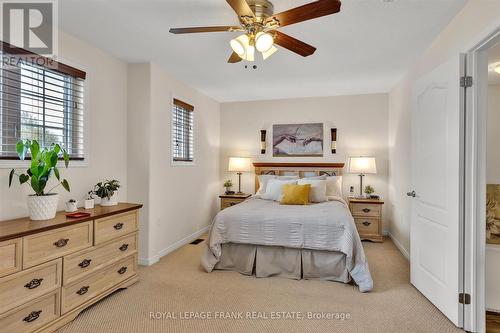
(226, 203)
(53, 244)
(31, 316)
(109, 228)
(10, 256)
(369, 210)
(78, 265)
(367, 226)
(27, 285)
(79, 292)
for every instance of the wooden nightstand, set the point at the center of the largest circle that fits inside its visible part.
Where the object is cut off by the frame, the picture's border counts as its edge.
(229, 200)
(367, 214)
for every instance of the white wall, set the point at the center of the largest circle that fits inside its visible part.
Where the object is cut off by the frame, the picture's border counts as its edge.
(493, 177)
(476, 19)
(107, 129)
(361, 122)
(179, 201)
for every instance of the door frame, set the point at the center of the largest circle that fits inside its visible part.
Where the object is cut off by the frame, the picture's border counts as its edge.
(474, 211)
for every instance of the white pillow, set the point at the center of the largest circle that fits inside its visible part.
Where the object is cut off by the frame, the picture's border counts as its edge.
(274, 189)
(263, 179)
(322, 177)
(318, 189)
(334, 186)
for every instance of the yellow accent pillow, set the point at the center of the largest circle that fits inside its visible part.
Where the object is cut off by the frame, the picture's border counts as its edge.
(295, 194)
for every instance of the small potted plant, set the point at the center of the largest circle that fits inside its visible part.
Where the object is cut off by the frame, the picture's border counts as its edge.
(369, 190)
(71, 206)
(89, 200)
(107, 192)
(42, 205)
(228, 184)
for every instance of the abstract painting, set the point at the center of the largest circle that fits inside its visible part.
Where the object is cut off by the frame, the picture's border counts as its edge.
(298, 140)
(493, 214)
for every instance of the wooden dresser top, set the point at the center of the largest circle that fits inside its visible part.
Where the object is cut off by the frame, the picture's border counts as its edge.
(24, 226)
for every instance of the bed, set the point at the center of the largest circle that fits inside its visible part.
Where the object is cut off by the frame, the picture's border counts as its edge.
(263, 238)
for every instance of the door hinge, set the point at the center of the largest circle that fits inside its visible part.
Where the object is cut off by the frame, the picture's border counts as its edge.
(464, 298)
(466, 81)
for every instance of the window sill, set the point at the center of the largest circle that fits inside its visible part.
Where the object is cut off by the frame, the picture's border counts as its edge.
(182, 164)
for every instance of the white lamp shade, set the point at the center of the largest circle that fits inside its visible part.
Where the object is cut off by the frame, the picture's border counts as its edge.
(240, 45)
(240, 164)
(263, 42)
(362, 165)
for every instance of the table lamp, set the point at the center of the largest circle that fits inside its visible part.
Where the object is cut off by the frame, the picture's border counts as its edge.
(362, 166)
(240, 165)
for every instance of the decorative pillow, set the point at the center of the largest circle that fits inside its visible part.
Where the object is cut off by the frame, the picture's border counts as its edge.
(263, 179)
(322, 177)
(334, 186)
(295, 194)
(273, 189)
(318, 189)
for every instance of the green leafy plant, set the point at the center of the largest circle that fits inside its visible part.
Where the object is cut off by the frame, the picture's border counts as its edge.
(43, 165)
(369, 189)
(228, 183)
(106, 189)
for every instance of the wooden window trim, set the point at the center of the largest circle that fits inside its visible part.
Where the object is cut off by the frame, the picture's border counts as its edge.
(184, 105)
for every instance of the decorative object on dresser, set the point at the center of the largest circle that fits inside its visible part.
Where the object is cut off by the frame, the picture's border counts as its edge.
(229, 200)
(42, 205)
(240, 165)
(367, 215)
(89, 200)
(71, 206)
(228, 184)
(334, 141)
(362, 166)
(301, 140)
(107, 192)
(263, 134)
(52, 270)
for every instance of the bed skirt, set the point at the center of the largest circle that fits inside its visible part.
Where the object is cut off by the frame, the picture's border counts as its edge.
(267, 261)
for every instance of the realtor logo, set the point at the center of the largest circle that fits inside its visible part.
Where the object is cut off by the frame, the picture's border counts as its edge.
(30, 25)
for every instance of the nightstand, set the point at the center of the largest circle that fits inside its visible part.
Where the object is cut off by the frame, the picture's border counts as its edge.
(367, 214)
(229, 200)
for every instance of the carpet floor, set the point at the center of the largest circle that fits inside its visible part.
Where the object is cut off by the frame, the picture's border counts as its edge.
(183, 298)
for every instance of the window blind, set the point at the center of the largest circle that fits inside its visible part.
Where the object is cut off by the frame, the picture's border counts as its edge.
(41, 103)
(182, 131)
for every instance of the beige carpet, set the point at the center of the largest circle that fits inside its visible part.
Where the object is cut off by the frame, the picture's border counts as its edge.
(178, 284)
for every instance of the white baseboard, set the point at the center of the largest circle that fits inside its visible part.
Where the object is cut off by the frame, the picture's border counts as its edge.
(400, 246)
(171, 248)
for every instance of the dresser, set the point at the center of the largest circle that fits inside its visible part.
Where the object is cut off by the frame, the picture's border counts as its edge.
(367, 215)
(52, 270)
(229, 200)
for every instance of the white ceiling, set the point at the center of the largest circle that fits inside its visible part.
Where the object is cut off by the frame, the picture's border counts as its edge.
(365, 48)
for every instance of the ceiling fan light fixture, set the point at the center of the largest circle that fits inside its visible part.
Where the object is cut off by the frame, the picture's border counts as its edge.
(264, 42)
(250, 55)
(270, 52)
(240, 45)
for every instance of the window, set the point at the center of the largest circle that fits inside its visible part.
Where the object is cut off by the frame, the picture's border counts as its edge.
(182, 131)
(40, 103)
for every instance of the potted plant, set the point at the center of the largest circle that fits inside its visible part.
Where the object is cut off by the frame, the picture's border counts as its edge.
(107, 192)
(228, 184)
(369, 190)
(89, 200)
(43, 204)
(71, 206)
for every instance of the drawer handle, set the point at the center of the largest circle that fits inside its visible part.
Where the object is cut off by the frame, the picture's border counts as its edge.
(35, 283)
(366, 210)
(366, 224)
(124, 247)
(85, 263)
(32, 316)
(83, 290)
(232, 203)
(122, 270)
(118, 226)
(62, 242)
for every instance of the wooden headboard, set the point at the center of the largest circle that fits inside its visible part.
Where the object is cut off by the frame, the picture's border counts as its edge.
(298, 169)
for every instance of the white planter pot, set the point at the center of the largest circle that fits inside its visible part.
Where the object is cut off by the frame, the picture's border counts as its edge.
(89, 204)
(42, 207)
(113, 201)
(71, 206)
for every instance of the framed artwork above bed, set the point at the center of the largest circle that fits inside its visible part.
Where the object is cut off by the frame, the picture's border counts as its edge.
(300, 140)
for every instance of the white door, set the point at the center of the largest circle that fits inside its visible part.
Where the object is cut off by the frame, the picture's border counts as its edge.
(437, 108)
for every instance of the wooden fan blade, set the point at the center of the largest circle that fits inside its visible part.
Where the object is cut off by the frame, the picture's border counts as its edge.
(293, 44)
(306, 12)
(241, 8)
(203, 29)
(234, 58)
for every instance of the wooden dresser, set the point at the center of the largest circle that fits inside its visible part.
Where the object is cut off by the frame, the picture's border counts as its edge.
(367, 214)
(230, 200)
(52, 270)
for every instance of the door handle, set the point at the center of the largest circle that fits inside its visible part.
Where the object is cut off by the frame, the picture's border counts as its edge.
(412, 194)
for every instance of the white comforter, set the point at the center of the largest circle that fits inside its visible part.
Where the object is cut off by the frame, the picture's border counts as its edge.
(325, 226)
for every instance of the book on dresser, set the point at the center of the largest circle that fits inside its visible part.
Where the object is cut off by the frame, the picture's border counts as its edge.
(52, 270)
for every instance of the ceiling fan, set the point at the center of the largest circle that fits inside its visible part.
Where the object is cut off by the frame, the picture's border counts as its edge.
(260, 24)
